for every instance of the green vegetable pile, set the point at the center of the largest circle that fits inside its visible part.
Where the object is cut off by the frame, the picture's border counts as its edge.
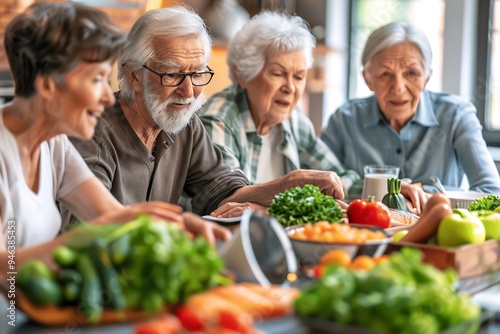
(489, 202)
(402, 295)
(139, 265)
(305, 204)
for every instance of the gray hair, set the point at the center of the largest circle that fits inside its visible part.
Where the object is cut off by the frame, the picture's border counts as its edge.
(164, 22)
(267, 32)
(397, 33)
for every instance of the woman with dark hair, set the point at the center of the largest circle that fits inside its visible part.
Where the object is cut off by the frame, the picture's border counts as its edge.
(60, 56)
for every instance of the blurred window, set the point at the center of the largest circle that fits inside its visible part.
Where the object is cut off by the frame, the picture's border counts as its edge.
(368, 15)
(487, 94)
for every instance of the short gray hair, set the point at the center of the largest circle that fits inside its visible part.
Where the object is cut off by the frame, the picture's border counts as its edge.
(267, 32)
(397, 33)
(163, 22)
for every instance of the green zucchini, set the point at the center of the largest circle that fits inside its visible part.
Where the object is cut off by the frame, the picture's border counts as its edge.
(109, 277)
(119, 249)
(64, 256)
(71, 283)
(90, 293)
(394, 199)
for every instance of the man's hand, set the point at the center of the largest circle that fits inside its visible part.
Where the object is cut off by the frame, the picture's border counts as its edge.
(263, 194)
(211, 231)
(235, 209)
(416, 198)
(159, 210)
(328, 182)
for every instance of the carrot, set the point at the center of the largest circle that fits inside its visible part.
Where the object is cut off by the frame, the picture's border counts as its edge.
(437, 208)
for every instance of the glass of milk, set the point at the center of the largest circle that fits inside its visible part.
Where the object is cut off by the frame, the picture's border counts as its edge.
(375, 182)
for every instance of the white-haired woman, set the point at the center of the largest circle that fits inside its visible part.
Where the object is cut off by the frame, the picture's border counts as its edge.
(403, 124)
(256, 121)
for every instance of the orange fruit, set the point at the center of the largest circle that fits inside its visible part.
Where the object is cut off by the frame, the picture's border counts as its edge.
(337, 256)
(363, 262)
(381, 259)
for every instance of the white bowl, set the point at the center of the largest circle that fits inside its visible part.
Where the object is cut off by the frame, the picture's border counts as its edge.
(462, 199)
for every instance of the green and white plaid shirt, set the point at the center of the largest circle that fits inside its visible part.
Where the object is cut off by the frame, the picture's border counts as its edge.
(229, 123)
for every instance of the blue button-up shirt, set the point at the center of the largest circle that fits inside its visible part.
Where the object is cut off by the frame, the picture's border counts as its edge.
(443, 138)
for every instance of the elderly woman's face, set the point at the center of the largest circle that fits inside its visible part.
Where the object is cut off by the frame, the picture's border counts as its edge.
(396, 75)
(84, 95)
(274, 92)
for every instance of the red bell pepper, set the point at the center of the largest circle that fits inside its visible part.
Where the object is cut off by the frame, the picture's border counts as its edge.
(368, 212)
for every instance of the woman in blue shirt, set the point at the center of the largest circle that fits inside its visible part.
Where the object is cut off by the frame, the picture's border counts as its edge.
(405, 125)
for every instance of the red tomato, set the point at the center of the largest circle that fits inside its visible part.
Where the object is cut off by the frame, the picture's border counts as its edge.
(190, 320)
(368, 212)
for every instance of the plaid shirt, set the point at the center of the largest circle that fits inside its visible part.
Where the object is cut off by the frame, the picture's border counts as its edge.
(229, 123)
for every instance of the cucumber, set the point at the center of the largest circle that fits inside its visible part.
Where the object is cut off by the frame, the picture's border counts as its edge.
(33, 269)
(90, 295)
(69, 275)
(109, 278)
(119, 249)
(71, 291)
(71, 283)
(65, 256)
(43, 291)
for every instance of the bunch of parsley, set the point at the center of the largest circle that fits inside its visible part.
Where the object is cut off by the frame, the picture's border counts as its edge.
(305, 204)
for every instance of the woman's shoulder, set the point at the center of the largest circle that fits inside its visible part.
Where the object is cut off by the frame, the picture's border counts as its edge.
(222, 102)
(227, 105)
(450, 101)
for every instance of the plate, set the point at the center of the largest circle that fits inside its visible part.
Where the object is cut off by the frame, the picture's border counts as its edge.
(230, 220)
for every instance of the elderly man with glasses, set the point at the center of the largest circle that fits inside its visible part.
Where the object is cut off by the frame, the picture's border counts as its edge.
(151, 145)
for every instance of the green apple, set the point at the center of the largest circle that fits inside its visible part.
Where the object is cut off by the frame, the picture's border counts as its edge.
(461, 228)
(491, 222)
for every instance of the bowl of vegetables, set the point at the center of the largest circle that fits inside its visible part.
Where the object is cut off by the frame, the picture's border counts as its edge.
(311, 241)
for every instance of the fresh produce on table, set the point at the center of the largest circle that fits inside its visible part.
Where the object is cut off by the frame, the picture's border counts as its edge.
(460, 228)
(141, 265)
(399, 295)
(326, 232)
(438, 207)
(342, 258)
(394, 199)
(368, 212)
(235, 307)
(305, 204)
(488, 202)
(491, 222)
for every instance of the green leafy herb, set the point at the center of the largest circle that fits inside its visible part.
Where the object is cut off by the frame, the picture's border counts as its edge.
(305, 204)
(489, 202)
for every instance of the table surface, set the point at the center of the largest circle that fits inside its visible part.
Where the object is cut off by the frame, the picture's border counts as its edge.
(489, 299)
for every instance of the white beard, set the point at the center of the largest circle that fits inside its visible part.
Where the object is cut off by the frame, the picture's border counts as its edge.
(171, 121)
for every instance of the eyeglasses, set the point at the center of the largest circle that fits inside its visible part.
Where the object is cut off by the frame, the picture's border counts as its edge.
(174, 79)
